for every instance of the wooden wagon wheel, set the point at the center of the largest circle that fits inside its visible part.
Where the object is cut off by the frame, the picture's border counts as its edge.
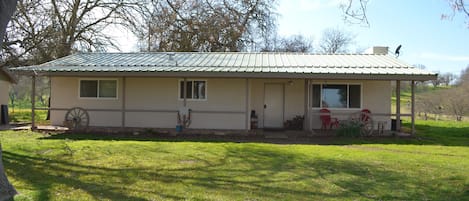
(77, 118)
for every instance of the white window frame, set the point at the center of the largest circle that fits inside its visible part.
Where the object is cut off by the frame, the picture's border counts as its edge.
(98, 79)
(348, 95)
(192, 99)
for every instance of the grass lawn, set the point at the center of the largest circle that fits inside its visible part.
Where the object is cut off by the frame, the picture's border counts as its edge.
(81, 167)
(24, 115)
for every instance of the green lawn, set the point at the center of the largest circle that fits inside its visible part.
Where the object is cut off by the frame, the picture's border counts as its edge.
(24, 115)
(81, 167)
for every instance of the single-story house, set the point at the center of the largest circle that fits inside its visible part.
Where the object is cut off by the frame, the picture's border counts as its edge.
(5, 84)
(222, 89)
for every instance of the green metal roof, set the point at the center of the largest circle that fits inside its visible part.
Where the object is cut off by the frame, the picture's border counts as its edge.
(232, 64)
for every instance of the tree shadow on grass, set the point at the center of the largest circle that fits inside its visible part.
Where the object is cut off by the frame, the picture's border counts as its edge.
(242, 172)
(44, 173)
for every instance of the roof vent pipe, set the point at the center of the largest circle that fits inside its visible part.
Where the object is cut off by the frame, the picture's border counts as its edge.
(171, 58)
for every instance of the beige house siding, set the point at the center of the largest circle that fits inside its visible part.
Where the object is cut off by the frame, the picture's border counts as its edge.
(377, 98)
(224, 107)
(294, 99)
(151, 93)
(154, 102)
(4, 89)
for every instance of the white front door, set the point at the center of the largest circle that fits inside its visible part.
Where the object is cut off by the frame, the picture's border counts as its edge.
(273, 105)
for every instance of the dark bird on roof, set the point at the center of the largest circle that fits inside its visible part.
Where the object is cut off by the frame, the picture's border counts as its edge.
(398, 49)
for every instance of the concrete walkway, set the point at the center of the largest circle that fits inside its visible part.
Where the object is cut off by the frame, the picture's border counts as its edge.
(28, 127)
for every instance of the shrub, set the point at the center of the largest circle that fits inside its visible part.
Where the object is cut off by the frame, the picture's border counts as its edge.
(349, 129)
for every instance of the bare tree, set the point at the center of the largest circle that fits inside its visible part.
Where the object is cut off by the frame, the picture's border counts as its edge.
(456, 103)
(443, 79)
(447, 78)
(457, 6)
(430, 103)
(205, 25)
(451, 101)
(44, 30)
(355, 11)
(294, 43)
(464, 77)
(334, 40)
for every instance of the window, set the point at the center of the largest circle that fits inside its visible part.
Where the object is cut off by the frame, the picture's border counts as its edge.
(336, 95)
(98, 88)
(196, 89)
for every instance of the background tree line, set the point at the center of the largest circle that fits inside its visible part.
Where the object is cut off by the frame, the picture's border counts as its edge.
(448, 96)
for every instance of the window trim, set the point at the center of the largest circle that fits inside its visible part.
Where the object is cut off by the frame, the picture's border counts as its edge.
(337, 83)
(192, 99)
(97, 97)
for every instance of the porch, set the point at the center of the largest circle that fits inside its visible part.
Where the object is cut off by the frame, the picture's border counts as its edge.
(295, 99)
(382, 122)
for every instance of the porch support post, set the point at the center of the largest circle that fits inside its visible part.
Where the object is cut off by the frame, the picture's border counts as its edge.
(412, 109)
(33, 101)
(248, 117)
(185, 91)
(398, 105)
(123, 108)
(306, 123)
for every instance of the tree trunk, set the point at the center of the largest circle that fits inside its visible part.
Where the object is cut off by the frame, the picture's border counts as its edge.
(7, 8)
(7, 191)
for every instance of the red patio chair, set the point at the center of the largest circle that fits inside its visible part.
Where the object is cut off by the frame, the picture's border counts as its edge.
(365, 115)
(327, 121)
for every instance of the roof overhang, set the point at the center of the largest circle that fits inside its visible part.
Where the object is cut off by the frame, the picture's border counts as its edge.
(263, 75)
